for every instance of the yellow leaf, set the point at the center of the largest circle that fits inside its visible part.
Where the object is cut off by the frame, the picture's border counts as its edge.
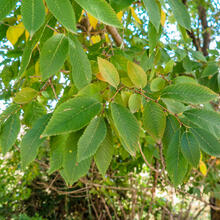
(19, 17)
(95, 39)
(120, 15)
(107, 38)
(14, 32)
(203, 168)
(134, 15)
(93, 21)
(27, 35)
(163, 17)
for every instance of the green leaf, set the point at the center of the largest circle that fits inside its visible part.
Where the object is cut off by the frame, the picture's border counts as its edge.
(11, 110)
(173, 106)
(169, 66)
(30, 45)
(32, 141)
(180, 13)
(157, 84)
(25, 95)
(33, 111)
(108, 72)
(101, 10)
(211, 69)
(184, 79)
(119, 5)
(104, 154)
(134, 103)
(81, 68)
(190, 148)
(153, 12)
(127, 127)
(33, 13)
(197, 55)
(57, 148)
(208, 142)
(64, 13)
(72, 170)
(172, 126)
(72, 115)
(176, 163)
(153, 37)
(208, 120)
(91, 139)
(190, 93)
(9, 133)
(137, 75)
(6, 7)
(154, 120)
(53, 55)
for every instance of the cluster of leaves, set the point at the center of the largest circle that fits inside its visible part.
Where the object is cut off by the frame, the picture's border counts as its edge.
(111, 98)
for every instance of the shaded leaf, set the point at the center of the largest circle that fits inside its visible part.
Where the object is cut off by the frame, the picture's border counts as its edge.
(176, 163)
(210, 70)
(91, 139)
(6, 7)
(190, 148)
(154, 120)
(57, 148)
(127, 127)
(9, 133)
(104, 154)
(32, 141)
(72, 170)
(208, 142)
(208, 120)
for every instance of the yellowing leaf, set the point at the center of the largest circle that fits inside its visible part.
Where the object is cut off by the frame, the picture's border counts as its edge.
(137, 75)
(99, 76)
(108, 72)
(95, 39)
(163, 17)
(93, 21)
(203, 168)
(14, 32)
(25, 95)
(120, 15)
(134, 15)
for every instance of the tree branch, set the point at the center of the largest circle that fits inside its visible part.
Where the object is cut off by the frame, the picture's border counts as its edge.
(115, 35)
(205, 29)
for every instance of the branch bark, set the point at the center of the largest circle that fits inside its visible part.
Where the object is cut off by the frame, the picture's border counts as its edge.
(115, 35)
